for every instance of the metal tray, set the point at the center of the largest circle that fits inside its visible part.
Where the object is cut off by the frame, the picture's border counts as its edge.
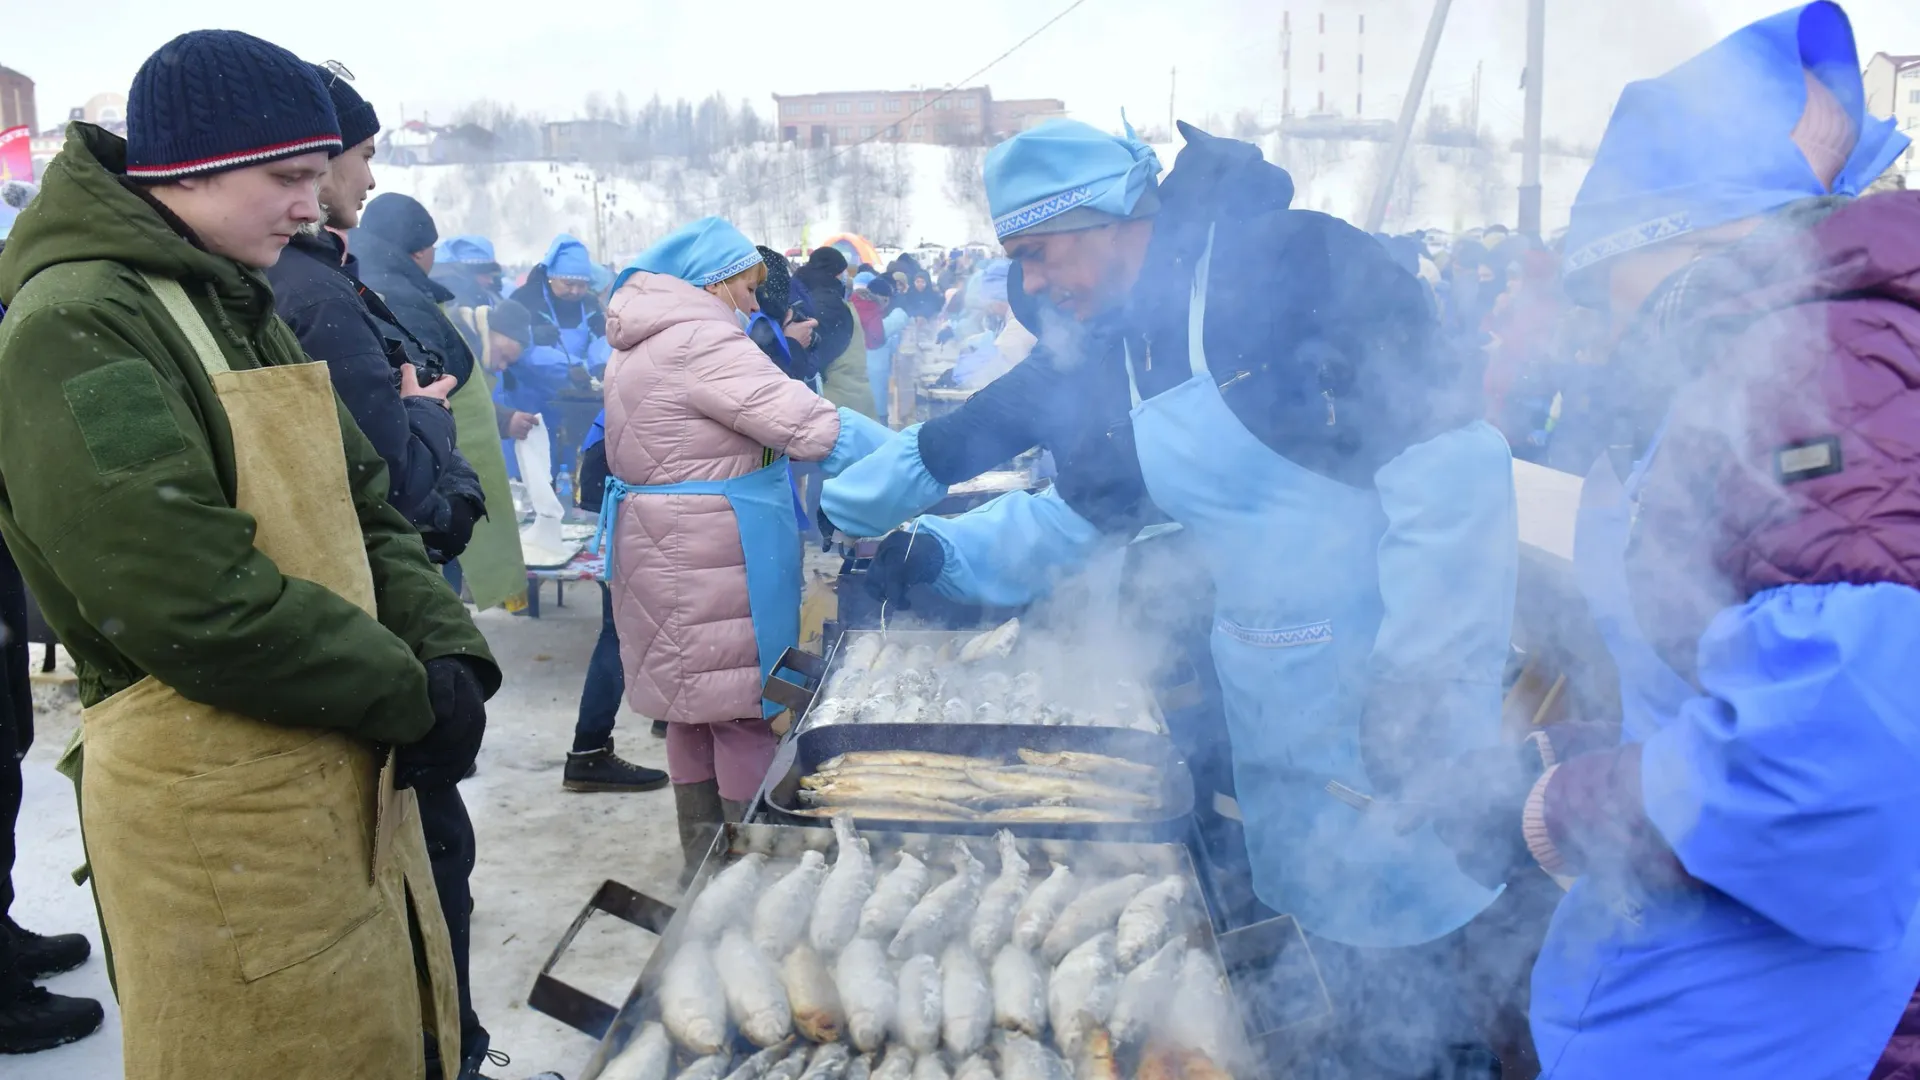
(615, 1026)
(803, 753)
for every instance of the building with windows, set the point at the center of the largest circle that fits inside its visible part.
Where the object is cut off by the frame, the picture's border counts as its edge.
(962, 117)
(1893, 89)
(16, 101)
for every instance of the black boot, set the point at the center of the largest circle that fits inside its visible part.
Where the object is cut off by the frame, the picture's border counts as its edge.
(603, 770)
(32, 1020)
(659, 729)
(470, 1069)
(37, 956)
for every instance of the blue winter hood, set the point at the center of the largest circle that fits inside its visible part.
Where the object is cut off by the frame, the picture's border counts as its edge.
(568, 258)
(701, 253)
(1065, 175)
(1710, 142)
(476, 251)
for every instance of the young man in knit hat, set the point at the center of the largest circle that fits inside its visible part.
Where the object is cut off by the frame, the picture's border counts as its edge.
(267, 660)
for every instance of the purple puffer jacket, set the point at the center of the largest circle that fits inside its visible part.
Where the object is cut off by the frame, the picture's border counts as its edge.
(1791, 456)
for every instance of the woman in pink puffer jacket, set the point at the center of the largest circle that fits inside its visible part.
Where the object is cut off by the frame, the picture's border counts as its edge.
(692, 401)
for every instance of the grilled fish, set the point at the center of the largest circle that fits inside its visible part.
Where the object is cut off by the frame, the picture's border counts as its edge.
(895, 1064)
(836, 913)
(995, 644)
(754, 995)
(901, 810)
(811, 994)
(647, 1056)
(941, 911)
(866, 992)
(1080, 995)
(887, 906)
(966, 1001)
(1148, 919)
(780, 915)
(1042, 907)
(1201, 1016)
(727, 899)
(828, 1063)
(1030, 786)
(929, 1067)
(1072, 815)
(862, 651)
(918, 1012)
(926, 758)
(791, 1066)
(1092, 912)
(976, 1067)
(860, 1068)
(757, 1066)
(1023, 1058)
(822, 777)
(1094, 764)
(692, 1003)
(1144, 993)
(1019, 991)
(862, 787)
(1000, 900)
(711, 1067)
(1095, 1060)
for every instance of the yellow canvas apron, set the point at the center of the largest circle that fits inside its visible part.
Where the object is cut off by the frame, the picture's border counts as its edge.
(493, 566)
(257, 882)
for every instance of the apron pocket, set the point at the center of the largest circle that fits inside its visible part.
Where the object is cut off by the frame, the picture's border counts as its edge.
(286, 846)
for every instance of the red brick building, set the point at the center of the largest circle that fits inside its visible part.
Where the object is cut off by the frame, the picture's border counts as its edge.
(965, 117)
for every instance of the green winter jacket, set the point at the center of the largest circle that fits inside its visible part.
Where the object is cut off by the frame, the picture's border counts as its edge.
(117, 482)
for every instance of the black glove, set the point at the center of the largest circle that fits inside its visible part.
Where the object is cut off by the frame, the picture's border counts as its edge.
(545, 333)
(827, 528)
(445, 753)
(597, 324)
(904, 560)
(1475, 802)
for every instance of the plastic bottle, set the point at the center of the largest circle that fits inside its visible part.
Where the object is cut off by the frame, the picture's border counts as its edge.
(563, 487)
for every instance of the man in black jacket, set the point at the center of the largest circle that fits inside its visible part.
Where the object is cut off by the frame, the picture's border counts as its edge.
(374, 362)
(394, 241)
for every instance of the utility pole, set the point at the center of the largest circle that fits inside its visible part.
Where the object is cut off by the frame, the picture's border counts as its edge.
(1536, 91)
(599, 230)
(1409, 107)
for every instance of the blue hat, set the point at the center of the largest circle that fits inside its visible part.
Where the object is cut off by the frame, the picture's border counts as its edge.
(568, 258)
(215, 100)
(468, 251)
(599, 278)
(1711, 141)
(1065, 175)
(707, 251)
(862, 280)
(358, 121)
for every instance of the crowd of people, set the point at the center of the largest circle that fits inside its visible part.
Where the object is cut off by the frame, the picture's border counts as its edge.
(256, 562)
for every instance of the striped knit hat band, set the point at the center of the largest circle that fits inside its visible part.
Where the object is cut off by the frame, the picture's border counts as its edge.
(214, 100)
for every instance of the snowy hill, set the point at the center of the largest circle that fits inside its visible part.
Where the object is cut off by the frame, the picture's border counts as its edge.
(906, 196)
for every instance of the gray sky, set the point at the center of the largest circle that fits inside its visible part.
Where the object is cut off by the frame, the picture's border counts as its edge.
(429, 55)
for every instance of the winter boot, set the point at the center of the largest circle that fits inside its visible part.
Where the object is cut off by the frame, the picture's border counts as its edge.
(733, 812)
(659, 729)
(32, 1019)
(603, 770)
(470, 1068)
(700, 812)
(36, 956)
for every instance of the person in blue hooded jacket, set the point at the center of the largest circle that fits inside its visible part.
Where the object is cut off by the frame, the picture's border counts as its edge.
(559, 289)
(1741, 839)
(525, 357)
(466, 266)
(1271, 381)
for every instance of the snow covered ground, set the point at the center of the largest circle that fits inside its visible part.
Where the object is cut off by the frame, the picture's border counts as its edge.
(542, 853)
(905, 196)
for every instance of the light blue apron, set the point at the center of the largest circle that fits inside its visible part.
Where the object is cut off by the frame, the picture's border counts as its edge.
(1295, 559)
(1640, 986)
(762, 503)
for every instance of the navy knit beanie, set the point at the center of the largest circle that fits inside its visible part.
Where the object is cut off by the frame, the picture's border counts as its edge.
(357, 120)
(214, 100)
(400, 220)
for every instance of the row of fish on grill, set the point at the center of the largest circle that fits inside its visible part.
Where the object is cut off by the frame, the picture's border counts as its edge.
(842, 972)
(882, 682)
(1035, 786)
